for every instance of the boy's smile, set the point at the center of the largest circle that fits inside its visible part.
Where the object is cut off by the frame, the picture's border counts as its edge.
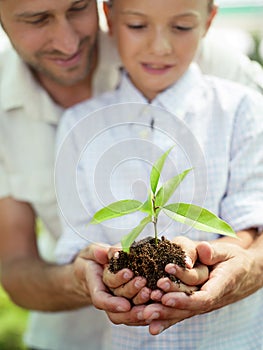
(157, 40)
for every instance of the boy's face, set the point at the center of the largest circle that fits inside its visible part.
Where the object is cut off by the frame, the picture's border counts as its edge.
(56, 38)
(157, 40)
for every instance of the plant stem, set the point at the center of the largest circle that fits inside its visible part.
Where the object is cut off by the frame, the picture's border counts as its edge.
(154, 220)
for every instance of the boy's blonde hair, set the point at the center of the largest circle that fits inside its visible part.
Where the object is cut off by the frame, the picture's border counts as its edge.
(210, 4)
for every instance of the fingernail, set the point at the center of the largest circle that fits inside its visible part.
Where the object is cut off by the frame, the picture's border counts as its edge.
(170, 302)
(154, 316)
(127, 275)
(139, 284)
(140, 316)
(165, 286)
(160, 330)
(120, 309)
(189, 262)
(172, 271)
(145, 295)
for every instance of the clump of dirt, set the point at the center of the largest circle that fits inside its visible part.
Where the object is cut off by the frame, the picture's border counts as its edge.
(148, 260)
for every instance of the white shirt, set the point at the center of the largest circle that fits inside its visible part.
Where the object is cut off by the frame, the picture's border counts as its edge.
(28, 123)
(218, 129)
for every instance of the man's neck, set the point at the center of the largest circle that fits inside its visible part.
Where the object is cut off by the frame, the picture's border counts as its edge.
(67, 96)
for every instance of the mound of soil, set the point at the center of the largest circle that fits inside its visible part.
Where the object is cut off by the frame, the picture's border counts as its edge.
(148, 260)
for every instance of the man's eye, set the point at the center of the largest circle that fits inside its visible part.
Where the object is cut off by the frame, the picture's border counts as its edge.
(76, 9)
(38, 21)
(80, 7)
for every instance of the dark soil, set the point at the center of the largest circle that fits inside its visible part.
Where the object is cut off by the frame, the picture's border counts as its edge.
(148, 260)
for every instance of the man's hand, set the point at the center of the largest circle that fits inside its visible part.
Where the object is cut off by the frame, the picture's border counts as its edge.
(234, 275)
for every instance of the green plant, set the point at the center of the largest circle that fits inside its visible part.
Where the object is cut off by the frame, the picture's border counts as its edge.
(190, 214)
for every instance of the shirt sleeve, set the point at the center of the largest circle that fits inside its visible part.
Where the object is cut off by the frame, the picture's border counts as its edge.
(242, 205)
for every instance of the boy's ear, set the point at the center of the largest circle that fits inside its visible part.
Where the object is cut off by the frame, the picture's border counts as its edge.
(211, 17)
(107, 10)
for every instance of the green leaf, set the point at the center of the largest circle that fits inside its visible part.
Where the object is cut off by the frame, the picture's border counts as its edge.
(147, 206)
(128, 239)
(168, 189)
(199, 218)
(115, 210)
(157, 169)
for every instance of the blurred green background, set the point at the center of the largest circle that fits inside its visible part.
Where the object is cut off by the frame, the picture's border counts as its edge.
(12, 324)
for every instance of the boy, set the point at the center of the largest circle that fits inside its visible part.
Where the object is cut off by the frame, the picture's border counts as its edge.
(157, 43)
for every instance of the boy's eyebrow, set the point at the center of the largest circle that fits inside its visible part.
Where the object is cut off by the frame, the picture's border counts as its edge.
(137, 13)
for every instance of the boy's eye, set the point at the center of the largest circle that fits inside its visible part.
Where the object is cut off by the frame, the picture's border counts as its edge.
(182, 28)
(136, 26)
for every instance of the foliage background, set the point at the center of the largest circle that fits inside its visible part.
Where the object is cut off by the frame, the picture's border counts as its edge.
(12, 324)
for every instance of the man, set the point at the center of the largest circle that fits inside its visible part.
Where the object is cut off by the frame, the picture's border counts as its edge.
(55, 57)
(56, 63)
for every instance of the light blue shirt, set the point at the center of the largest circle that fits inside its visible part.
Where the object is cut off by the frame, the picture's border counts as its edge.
(105, 154)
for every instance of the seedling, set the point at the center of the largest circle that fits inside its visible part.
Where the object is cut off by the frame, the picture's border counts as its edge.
(190, 214)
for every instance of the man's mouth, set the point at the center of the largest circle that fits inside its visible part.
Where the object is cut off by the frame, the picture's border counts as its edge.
(67, 61)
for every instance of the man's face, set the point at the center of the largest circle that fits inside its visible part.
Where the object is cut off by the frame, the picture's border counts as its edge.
(56, 38)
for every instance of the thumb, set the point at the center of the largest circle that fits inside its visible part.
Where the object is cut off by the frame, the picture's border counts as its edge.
(96, 252)
(212, 254)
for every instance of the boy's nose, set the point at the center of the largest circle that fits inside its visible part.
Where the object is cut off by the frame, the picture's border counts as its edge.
(160, 44)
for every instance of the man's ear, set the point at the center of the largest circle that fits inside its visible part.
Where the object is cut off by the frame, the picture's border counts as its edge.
(107, 10)
(211, 17)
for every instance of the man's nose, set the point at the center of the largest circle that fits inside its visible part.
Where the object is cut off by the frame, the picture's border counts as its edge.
(64, 37)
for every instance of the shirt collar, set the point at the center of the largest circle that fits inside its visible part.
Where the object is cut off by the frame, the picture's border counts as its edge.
(19, 89)
(179, 99)
(183, 97)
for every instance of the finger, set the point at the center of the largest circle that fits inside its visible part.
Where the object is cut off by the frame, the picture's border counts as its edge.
(95, 252)
(161, 312)
(212, 254)
(167, 285)
(200, 300)
(114, 251)
(157, 327)
(156, 295)
(101, 298)
(131, 288)
(134, 317)
(115, 280)
(142, 297)
(195, 276)
(189, 247)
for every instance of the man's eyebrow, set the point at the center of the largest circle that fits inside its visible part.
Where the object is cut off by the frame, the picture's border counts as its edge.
(29, 14)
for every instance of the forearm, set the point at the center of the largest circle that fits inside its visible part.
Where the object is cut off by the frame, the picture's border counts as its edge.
(245, 238)
(35, 284)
